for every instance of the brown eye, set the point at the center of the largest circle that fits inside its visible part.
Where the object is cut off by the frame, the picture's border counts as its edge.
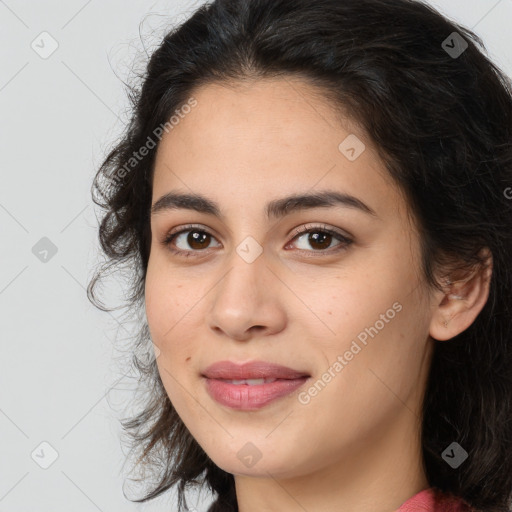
(320, 239)
(196, 240)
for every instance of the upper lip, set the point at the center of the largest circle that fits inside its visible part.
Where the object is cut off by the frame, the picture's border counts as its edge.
(251, 370)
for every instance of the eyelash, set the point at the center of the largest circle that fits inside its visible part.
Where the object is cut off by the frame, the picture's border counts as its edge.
(345, 242)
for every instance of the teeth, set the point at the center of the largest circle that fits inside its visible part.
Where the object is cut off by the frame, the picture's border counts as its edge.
(250, 382)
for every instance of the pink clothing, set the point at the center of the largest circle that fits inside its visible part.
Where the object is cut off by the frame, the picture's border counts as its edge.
(432, 500)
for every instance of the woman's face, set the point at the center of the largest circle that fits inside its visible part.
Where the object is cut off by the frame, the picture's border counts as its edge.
(348, 310)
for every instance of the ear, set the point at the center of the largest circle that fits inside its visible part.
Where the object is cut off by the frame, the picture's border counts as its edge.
(462, 300)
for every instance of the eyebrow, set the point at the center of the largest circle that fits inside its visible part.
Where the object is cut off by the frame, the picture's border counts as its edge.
(274, 209)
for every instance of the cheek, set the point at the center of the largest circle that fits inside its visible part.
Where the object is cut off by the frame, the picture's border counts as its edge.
(167, 321)
(163, 303)
(350, 308)
(172, 313)
(380, 327)
(385, 359)
(155, 299)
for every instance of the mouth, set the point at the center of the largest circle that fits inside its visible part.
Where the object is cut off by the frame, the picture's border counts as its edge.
(252, 385)
(249, 382)
(253, 370)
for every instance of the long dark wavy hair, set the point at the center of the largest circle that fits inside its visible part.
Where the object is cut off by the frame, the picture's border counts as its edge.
(440, 114)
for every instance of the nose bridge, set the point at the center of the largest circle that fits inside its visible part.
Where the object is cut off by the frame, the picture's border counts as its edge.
(245, 277)
(245, 297)
(247, 258)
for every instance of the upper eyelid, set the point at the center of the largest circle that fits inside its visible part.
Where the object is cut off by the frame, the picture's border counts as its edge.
(320, 227)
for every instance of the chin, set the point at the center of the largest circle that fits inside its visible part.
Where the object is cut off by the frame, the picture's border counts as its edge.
(249, 458)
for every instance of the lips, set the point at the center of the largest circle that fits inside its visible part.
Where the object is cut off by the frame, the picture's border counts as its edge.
(250, 386)
(253, 370)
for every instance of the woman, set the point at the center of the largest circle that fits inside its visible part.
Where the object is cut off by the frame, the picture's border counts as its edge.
(313, 199)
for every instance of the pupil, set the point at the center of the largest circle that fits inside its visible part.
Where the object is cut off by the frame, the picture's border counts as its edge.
(194, 237)
(323, 236)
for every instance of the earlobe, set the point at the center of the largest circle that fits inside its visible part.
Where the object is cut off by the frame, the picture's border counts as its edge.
(461, 302)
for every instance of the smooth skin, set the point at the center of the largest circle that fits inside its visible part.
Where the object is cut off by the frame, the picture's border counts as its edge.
(355, 446)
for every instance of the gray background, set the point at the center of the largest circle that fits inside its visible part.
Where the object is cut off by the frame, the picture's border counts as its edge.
(61, 370)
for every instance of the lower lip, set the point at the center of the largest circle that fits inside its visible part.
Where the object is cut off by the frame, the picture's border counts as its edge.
(245, 397)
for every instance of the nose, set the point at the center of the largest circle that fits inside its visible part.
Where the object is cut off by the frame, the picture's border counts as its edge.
(247, 301)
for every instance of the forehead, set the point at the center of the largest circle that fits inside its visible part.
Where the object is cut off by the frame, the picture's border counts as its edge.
(284, 111)
(272, 138)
